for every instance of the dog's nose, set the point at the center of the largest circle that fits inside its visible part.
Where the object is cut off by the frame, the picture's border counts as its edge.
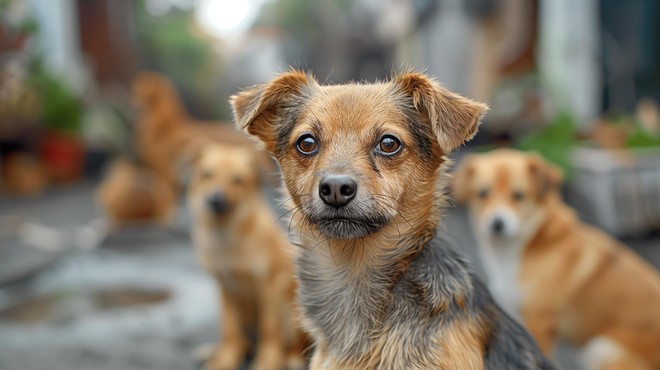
(337, 190)
(217, 203)
(498, 226)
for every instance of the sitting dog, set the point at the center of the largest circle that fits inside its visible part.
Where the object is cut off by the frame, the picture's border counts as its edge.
(239, 242)
(363, 165)
(133, 195)
(167, 137)
(564, 279)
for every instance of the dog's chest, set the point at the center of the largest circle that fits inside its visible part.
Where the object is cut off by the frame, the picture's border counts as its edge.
(223, 253)
(502, 265)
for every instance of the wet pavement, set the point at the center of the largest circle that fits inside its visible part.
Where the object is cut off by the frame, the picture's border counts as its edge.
(138, 302)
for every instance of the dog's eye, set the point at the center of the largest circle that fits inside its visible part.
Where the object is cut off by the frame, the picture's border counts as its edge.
(206, 174)
(389, 145)
(238, 180)
(306, 144)
(483, 193)
(518, 195)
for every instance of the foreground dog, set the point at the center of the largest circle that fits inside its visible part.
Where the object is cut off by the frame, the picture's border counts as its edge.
(363, 165)
(239, 242)
(565, 279)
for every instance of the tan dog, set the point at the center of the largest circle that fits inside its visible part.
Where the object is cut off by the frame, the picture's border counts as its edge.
(166, 135)
(239, 242)
(364, 167)
(565, 279)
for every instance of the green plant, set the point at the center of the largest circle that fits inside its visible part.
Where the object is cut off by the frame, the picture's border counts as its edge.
(554, 142)
(61, 109)
(640, 138)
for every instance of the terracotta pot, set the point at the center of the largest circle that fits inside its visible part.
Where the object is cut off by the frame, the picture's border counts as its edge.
(63, 156)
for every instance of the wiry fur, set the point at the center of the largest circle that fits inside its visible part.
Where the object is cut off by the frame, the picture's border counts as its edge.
(391, 295)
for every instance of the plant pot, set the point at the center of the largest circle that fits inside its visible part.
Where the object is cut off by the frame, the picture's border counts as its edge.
(63, 156)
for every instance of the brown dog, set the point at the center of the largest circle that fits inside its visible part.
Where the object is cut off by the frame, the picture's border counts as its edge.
(166, 136)
(239, 242)
(565, 279)
(131, 195)
(364, 167)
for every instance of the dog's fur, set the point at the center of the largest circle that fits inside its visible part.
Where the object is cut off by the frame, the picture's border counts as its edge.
(565, 279)
(378, 288)
(167, 137)
(132, 195)
(240, 243)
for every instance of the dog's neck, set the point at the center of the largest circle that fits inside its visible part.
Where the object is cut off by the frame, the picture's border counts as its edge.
(559, 219)
(347, 285)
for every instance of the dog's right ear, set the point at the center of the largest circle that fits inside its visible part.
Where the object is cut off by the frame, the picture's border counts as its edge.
(262, 109)
(461, 178)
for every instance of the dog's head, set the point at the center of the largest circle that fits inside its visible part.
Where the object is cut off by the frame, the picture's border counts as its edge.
(505, 191)
(356, 156)
(224, 176)
(155, 94)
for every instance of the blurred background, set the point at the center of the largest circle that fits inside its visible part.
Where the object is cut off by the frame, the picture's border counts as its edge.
(577, 81)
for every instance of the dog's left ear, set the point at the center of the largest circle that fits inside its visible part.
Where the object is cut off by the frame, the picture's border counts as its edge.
(547, 176)
(262, 109)
(453, 118)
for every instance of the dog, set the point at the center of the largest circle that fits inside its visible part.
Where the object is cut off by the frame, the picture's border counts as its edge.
(364, 170)
(238, 241)
(566, 280)
(166, 136)
(131, 195)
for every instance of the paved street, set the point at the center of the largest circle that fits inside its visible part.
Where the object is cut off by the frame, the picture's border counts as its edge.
(81, 334)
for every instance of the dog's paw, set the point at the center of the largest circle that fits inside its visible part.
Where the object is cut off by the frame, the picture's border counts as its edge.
(269, 357)
(225, 357)
(296, 361)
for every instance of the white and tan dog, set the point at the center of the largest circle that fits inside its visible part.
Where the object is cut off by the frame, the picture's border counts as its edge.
(564, 279)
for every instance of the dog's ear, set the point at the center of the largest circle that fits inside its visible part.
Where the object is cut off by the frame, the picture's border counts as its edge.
(261, 109)
(453, 118)
(461, 178)
(547, 177)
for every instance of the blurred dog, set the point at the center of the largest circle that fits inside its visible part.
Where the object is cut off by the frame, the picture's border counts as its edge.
(239, 242)
(564, 279)
(166, 136)
(131, 195)
(364, 167)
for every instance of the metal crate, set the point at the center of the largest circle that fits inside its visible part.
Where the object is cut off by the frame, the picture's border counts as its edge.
(618, 191)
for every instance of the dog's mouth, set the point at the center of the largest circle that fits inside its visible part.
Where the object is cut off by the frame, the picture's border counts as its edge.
(342, 227)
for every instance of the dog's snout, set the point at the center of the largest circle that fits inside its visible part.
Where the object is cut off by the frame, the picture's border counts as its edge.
(337, 190)
(498, 226)
(218, 203)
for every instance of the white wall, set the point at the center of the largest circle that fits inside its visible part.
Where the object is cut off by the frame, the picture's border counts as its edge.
(569, 54)
(58, 39)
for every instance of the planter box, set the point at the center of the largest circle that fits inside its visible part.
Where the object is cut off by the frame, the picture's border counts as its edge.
(618, 191)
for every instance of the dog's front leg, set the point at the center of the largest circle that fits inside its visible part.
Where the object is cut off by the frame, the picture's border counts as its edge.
(233, 343)
(270, 345)
(542, 325)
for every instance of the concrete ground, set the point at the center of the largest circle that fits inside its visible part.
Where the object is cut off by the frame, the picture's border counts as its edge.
(80, 334)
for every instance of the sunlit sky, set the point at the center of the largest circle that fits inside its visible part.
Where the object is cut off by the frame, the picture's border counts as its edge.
(227, 18)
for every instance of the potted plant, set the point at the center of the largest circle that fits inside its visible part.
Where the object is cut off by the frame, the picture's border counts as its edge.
(60, 146)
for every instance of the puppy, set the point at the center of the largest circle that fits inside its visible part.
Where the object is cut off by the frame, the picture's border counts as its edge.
(133, 195)
(363, 165)
(239, 242)
(564, 279)
(166, 135)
